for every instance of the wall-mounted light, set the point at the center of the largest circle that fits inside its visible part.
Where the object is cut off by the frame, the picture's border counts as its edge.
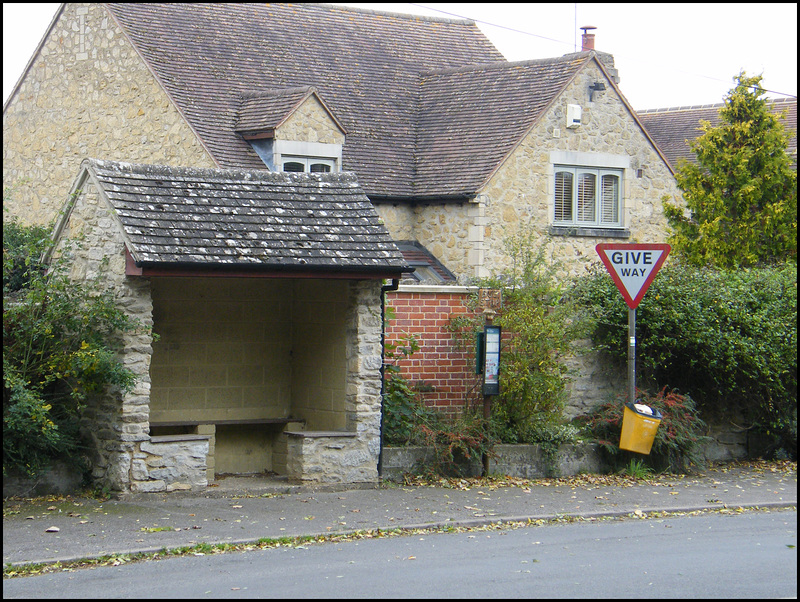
(596, 87)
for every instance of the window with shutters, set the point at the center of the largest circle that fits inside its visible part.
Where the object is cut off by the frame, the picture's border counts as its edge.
(587, 197)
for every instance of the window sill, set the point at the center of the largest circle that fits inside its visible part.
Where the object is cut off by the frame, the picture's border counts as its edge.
(589, 232)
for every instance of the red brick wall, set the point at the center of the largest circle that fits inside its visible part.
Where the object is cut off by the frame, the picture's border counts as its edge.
(440, 362)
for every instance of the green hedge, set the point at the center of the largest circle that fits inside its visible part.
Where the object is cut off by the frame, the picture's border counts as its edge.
(727, 338)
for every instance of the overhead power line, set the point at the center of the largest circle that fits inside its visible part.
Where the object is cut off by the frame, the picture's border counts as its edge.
(527, 33)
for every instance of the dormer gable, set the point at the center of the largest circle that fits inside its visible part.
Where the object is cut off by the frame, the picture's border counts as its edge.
(292, 129)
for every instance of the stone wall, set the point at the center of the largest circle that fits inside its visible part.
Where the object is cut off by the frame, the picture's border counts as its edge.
(521, 192)
(310, 123)
(520, 461)
(116, 422)
(86, 94)
(170, 463)
(468, 238)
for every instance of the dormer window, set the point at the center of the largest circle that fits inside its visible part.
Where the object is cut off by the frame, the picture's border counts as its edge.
(307, 164)
(276, 125)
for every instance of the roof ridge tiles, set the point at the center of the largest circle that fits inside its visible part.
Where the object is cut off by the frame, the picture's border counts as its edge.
(253, 175)
(277, 92)
(716, 105)
(497, 65)
(370, 11)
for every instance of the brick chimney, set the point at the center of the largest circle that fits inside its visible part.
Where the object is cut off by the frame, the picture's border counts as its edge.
(587, 40)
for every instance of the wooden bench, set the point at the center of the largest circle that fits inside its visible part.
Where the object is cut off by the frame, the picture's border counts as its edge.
(244, 421)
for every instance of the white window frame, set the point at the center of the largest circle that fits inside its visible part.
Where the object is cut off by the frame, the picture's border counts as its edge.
(588, 211)
(307, 153)
(308, 163)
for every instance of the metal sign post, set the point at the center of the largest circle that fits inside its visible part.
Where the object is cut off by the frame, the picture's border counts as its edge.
(633, 268)
(632, 355)
(488, 355)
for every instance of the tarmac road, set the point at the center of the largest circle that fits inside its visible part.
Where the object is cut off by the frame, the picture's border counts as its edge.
(247, 509)
(742, 555)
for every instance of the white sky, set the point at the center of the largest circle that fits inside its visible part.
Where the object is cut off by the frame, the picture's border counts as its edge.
(667, 54)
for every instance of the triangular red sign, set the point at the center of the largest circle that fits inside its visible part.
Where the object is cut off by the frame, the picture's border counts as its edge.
(633, 267)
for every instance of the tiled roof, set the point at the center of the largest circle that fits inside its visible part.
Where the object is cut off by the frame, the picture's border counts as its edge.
(472, 117)
(261, 111)
(364, 64)
(212, 218)
(418, 256)
(672, 128)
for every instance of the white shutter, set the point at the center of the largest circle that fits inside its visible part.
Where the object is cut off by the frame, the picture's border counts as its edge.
(587, 184)
(563, 200)
(609, 203)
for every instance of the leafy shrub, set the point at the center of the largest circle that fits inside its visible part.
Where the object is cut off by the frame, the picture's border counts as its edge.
(540, 324)
(408, 421)
(456, 442)
(403, 411)
(23, 247)
(678, 440)
(728, 338)
(60, 340)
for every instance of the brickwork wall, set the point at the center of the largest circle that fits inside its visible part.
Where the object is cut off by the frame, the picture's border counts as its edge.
(440, 362)
(86, 94)
(449, 369)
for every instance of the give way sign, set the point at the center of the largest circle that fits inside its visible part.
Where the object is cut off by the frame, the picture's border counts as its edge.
(633, 267)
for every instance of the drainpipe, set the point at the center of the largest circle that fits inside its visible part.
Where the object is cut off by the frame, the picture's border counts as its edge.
(384, 289)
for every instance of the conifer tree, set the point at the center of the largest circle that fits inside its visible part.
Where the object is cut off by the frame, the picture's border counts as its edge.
(741, 197)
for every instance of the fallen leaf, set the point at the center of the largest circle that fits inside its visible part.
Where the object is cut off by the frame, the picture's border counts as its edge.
(52, 530)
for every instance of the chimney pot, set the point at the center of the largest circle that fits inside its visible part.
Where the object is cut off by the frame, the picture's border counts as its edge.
(587, 40)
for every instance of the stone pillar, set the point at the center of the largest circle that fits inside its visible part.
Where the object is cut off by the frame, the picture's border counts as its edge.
(363, 385)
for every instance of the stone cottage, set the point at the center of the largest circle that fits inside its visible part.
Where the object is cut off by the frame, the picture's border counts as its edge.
(453, 147)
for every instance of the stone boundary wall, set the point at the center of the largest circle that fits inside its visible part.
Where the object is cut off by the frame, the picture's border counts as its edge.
(529, 462)
(520, 461)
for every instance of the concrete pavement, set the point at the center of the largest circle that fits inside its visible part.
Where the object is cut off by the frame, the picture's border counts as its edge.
(245, 509)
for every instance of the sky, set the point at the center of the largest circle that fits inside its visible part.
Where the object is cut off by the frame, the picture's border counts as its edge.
(668, 55)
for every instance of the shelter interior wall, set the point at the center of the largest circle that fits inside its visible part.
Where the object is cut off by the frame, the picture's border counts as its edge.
(249, 348)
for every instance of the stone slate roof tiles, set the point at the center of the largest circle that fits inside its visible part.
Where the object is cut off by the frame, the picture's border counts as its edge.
(246, 219)
(672, 128)
(364, 64)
